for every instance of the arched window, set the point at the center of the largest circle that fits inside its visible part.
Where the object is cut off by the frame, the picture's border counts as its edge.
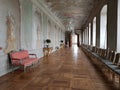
(103, 27)
(118, 27)
(94, 31)
(89, 33)
(84, 37)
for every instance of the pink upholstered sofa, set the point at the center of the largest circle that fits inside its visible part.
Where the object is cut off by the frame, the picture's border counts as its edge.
(23, 59)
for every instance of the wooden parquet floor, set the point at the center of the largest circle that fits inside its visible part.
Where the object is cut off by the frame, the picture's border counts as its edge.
(66, 69)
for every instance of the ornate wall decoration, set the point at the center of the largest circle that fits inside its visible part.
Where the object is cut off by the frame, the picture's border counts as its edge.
(38, 36)
(10, 33)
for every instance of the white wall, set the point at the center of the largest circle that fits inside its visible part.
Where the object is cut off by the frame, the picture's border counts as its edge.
(33, 25)
(118, 28)
(38, 42)
(13, 7)
(94, 31)
(40, 19)
(26, 24)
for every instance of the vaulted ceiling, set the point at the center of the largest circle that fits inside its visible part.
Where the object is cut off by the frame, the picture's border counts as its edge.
(72, 13)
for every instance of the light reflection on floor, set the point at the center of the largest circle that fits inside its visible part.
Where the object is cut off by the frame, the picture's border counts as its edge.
(75, 52)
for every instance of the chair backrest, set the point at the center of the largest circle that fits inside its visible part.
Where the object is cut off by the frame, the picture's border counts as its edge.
(111, 56)
(107, 53)
(96, 49)
(19, 55)
(100, 51)
(117, 58)
(93, 49)
(103, 53)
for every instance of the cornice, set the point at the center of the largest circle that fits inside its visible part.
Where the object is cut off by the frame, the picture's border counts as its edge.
(96, 9)
(41, 5)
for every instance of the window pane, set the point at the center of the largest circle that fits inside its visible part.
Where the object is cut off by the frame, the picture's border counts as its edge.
(118, 28)
(94, 31)
(103, 27)
(89, 33)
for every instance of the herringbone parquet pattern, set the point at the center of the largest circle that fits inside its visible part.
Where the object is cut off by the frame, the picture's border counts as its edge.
(66, 69)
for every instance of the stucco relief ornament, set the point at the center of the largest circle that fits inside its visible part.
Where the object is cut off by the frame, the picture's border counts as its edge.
(38, 37)
(10, 34)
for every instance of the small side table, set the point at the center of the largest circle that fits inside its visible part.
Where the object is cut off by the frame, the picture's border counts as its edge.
(47, 51)
(61, 45)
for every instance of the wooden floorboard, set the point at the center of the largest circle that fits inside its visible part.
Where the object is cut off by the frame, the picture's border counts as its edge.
(66, 69)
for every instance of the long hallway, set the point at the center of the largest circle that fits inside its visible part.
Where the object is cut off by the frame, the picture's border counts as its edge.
(66, 69)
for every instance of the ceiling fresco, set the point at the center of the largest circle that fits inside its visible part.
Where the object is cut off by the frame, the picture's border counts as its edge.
(72, 13)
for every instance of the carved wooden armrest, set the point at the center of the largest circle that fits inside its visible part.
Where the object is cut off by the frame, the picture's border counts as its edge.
(33, 55)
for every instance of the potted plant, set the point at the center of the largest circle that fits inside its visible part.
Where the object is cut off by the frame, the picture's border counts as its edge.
(61, 41)
(48, 41)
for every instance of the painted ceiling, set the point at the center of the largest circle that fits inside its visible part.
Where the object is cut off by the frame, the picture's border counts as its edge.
(72, 13)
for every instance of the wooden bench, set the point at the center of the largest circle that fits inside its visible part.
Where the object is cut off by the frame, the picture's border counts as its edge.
(23, 59)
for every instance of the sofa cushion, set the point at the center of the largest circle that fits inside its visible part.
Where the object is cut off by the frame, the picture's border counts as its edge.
(22, 63)
(19, 55)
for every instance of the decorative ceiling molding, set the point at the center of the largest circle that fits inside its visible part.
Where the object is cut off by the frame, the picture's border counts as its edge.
(41, 5)
(96, 9)
(76, 11)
